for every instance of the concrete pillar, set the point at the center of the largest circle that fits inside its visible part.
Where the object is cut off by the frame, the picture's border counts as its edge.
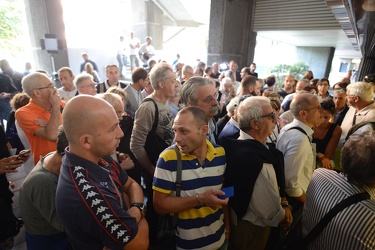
(367, 65)
(46, 17)
(147, 21)
(231, 36)
(319, 59)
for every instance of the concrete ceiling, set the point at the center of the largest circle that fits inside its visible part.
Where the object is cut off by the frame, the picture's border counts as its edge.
(306, 23)
(315, 23)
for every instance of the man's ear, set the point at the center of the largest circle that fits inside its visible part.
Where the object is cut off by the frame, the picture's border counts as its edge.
(36, 92)
(251, 89)
(302, 113)
(161, 84)
(253, 124)
(204, 129)
(85, 141)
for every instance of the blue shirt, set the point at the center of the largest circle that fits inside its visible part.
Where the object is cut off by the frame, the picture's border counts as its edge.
(88, 205)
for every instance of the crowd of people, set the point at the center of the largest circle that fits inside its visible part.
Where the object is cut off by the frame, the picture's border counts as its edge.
(106, 156)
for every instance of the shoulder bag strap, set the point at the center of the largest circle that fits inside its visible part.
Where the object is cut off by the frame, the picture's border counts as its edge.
(332, 213)
(156, 120)
(301, 130)
(178, 181)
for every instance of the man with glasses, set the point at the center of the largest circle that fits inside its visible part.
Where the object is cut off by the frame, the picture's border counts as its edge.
(113, 75)
(45, 104)
(294, 142)
(362, 107)
(255, 215)
(201, 92)
(134, 96)
(85, 84)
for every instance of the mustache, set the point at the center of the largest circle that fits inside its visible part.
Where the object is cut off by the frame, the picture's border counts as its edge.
(215, 109)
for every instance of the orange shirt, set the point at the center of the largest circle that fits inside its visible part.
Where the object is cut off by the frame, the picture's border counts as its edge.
(25, 117)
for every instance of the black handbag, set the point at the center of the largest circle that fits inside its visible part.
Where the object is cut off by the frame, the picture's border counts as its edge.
(167, 222)
(154, 144)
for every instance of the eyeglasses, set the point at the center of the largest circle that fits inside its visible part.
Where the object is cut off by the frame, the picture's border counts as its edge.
(272, 115)
(319, 107)
(90, 85)
(49, 86)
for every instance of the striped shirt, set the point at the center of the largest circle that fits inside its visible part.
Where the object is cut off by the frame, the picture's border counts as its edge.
(199, 227)
(352, 228)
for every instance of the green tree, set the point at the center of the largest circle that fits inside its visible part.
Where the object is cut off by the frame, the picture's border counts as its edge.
(10, 25)
(280, 71)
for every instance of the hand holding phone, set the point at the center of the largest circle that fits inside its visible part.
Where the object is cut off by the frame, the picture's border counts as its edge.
(229, 192)
(24, 155)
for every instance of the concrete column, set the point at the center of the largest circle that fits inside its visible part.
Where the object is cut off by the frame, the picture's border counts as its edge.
(319, 59)
(231, 36)
(46, 17)
(147, 21)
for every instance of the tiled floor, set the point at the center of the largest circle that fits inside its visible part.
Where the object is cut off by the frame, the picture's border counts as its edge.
(17, 179)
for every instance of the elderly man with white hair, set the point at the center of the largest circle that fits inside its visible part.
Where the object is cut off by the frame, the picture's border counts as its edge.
(256, 171)
(362, 107)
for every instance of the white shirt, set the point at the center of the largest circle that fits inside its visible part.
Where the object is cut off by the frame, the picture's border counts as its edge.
(265, 205)
(134, 42)
(121, 48)
(66, 95)
(298, 157)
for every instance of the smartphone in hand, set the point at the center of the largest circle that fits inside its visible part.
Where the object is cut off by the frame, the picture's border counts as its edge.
(229, 192)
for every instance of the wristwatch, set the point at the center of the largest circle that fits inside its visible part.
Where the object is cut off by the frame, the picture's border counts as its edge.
(140, 206)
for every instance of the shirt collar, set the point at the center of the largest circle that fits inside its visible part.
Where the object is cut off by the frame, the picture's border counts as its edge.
(307, 129)
(210, 155)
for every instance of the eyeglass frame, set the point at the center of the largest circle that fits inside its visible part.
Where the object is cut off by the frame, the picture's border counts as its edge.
(272, 115)
(49, 86)
(92, 85)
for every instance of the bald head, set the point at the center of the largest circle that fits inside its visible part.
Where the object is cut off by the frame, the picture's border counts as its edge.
(82, 114)
(301, 101)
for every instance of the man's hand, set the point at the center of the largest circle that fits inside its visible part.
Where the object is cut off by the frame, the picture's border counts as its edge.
(326, 163)
(288, 219)
(41, 123)
(9, 164)
(4, 95)
(24, 155)
(125, 161)
(55, 100)
(209, 198)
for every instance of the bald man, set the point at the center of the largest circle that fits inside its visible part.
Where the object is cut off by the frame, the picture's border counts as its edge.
(295, 143)
(44, 106)
(89, 197)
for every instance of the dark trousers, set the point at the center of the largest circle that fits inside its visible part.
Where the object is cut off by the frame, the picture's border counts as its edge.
(151, 216)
